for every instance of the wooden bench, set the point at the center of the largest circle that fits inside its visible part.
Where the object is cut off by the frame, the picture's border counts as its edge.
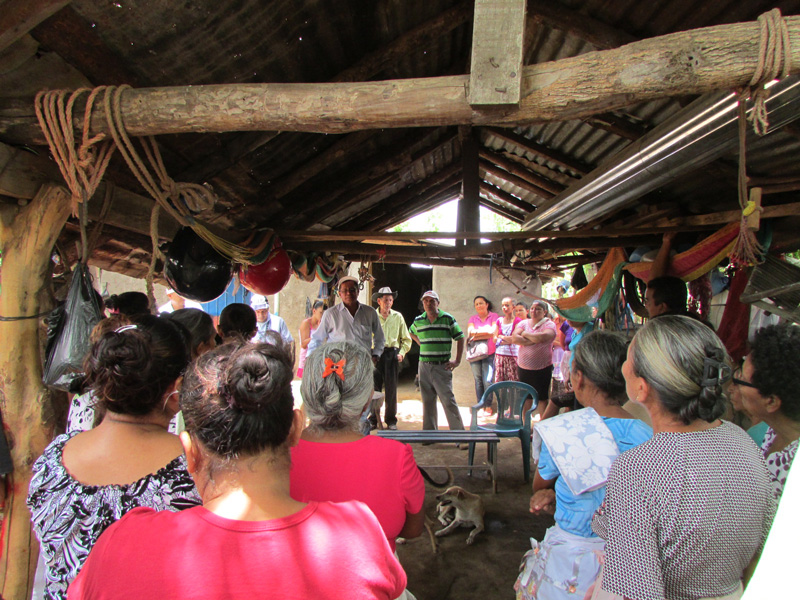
(446, 436)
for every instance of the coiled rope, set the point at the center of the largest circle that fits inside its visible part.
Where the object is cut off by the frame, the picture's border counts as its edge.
(774, 60)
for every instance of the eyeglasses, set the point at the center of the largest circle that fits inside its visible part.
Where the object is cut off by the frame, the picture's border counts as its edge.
(736, 381)
(348, 290)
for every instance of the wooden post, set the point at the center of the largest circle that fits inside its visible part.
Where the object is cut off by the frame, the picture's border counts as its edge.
(498, 30)
(469, 217)
(27, 236)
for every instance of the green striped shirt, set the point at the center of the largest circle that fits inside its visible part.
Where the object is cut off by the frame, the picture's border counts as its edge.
(436, 339)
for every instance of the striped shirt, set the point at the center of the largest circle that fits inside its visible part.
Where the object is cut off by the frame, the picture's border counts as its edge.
(436, 339)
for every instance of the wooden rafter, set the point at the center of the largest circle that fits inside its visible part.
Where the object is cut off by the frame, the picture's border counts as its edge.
(519, 170)
(551, 154)
(557, 16)
(520, 182)
(495, 193)
(18, 17)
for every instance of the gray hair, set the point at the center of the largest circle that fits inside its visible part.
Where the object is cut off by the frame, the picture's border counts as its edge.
(331, 403)
(599, 356)
(670, 353)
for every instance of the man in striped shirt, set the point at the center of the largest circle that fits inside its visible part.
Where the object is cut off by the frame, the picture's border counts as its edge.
(434, 331)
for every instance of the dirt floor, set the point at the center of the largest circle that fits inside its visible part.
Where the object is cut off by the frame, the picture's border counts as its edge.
(488, 568)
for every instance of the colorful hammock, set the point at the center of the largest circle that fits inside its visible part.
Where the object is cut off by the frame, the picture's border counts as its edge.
(601, 292)
(596, 298)
(697, 260)
(314, 266)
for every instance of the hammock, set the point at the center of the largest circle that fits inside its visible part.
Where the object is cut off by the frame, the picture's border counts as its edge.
(697, 260)
(601, 292)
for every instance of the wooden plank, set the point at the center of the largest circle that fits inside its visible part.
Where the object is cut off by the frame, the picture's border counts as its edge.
(18, 17)
(498, 31)
(730, 216)
(722, 57)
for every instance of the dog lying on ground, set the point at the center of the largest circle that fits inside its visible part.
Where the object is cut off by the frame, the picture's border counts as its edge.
(459, 508)
(429, 523)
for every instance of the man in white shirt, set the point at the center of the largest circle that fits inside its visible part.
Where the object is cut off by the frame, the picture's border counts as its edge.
(177, 302)
(266, 322)
(350, 321)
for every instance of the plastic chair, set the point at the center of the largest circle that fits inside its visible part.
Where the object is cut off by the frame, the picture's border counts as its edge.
(510, 397)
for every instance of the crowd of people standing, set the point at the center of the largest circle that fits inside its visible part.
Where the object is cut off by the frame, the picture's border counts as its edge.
(251, 473)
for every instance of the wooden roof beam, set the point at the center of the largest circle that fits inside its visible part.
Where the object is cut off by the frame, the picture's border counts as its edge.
(18, 17)
(443, 192)
(528, 145)
(396, 203)
(501, 210)
(489, 190)
(519, 170)
(687, 62)
(363, 70)
(526, 185)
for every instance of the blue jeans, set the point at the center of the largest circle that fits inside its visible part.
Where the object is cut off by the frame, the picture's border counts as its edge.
(483, 374)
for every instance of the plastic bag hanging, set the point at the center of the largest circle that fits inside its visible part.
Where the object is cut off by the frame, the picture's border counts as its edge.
(81, 312)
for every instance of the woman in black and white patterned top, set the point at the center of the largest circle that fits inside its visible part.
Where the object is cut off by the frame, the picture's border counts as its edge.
(86, 480)
(686, 512)
(767, 388)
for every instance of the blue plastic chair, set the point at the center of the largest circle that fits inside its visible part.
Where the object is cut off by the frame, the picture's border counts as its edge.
(510, 397)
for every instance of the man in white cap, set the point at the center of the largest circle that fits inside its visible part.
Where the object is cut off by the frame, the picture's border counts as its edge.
(266, 322)
(350, 321)
(177, 302)
(434, 331)
(398, 343)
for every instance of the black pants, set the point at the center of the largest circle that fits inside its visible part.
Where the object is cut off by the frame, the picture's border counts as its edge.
(386, 378)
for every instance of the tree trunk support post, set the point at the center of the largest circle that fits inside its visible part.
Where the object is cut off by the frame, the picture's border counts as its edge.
(27, 236)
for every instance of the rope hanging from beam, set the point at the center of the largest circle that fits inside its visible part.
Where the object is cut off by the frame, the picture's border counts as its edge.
(83, 166)
(774, 59)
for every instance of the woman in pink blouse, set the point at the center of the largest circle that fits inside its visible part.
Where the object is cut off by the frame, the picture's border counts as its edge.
(535, 359)
(481, 331)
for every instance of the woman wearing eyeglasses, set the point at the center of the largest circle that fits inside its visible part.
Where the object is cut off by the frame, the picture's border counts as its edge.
(686, 512)
(767, 388)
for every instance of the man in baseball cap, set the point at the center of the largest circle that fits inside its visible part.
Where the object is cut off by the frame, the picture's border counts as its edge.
(266, 321)
(434, 331)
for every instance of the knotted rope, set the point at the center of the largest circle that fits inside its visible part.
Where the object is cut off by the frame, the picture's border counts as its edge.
(774, 60)
(83, 168)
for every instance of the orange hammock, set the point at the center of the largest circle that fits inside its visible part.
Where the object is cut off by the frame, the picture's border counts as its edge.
(697, 260)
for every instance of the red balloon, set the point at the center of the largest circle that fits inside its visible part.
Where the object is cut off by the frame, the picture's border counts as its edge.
(270, 277)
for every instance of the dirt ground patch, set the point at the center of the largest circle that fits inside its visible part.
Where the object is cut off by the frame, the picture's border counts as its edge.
(489, 568)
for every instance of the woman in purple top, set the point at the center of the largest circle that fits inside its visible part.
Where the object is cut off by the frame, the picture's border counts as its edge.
(481, 331)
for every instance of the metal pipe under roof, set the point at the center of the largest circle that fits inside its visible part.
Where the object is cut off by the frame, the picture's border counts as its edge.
(695, 136)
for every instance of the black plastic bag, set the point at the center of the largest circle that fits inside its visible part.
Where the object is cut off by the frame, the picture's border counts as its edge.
(70, 341)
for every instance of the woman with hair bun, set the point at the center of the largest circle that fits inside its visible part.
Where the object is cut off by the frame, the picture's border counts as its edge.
(335, 461)
(85, 481)
(687, 511)
(582, 443)
(250, 539)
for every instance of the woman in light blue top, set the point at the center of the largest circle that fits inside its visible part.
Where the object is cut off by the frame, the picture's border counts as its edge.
(579, 449)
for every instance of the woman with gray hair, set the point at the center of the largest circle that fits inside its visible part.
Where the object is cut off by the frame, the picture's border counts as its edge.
(334, 461)
(686, 512)
(566, 563)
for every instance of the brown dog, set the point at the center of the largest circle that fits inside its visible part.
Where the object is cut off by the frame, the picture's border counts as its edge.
(468, 509)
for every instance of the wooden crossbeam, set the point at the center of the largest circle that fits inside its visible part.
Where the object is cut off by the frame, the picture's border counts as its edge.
(722, 57)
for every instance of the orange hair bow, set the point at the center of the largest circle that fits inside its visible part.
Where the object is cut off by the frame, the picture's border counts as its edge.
(334, 367)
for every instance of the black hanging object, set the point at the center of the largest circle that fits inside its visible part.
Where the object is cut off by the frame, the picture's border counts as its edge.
(579, 278)
(194, 269)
